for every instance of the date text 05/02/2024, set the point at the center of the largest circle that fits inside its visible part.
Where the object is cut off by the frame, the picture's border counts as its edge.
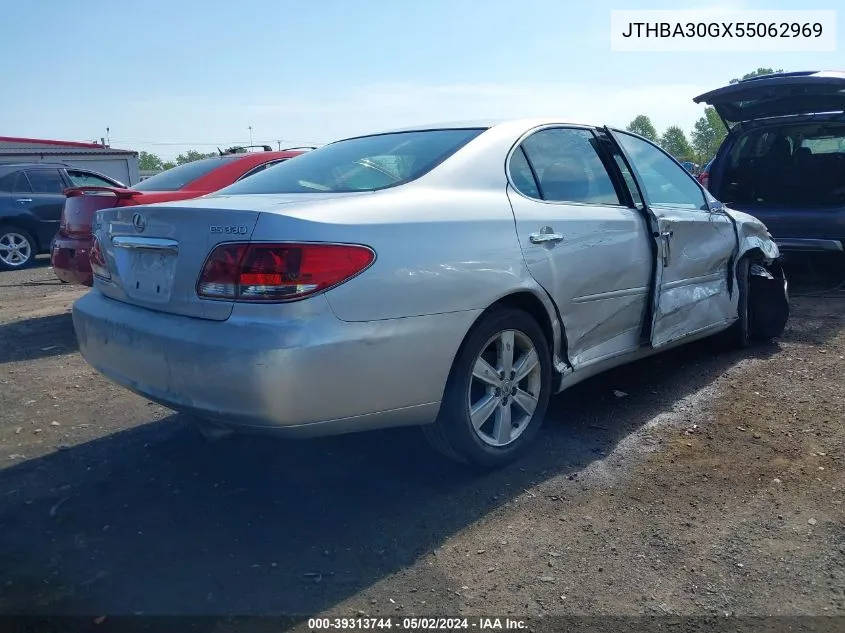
(416, 624)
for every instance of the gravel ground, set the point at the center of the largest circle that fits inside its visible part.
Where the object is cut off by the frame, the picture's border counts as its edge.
(714, 485)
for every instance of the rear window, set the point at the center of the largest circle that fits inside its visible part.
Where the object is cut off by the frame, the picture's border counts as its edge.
(826, 144)
(176, 178)
(366, 163)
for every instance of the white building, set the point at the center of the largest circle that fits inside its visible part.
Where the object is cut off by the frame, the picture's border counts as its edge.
(120, 164)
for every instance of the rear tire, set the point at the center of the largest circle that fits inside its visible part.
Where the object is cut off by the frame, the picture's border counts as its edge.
(17, 248)
(497, 392)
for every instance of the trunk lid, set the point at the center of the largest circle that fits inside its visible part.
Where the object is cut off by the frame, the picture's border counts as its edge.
(82, 203)
(781, 94)
(155, 253)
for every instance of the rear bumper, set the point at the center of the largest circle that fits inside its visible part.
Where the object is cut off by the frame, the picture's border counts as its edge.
(308, 375)
(69, 258)
(809, 244)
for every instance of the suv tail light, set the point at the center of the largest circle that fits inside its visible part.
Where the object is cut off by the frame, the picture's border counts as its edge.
(279, 272)
(98, 260)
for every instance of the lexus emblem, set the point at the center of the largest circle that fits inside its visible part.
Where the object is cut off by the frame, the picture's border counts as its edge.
(139, 222)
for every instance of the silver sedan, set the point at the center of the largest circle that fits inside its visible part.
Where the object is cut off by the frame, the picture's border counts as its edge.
(449, 276)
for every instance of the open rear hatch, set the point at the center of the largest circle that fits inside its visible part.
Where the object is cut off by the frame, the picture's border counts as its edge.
(781, 94)
(153, 255)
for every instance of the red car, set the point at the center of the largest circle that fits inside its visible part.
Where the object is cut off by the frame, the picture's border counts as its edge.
(71, 245)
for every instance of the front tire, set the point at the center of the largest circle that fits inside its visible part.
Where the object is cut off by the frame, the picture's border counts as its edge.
(768, 298)
(738, 335)
(762, 307)
(497, 392)
(17, 248)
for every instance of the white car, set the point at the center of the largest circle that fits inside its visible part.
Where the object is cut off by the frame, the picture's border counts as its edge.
(449, 276)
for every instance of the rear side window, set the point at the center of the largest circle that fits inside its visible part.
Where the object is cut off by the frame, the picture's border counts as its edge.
(15, 182)
(366, 163)
(261, 167)
(178, 177)
(87, 179)
(568, 167)
(46, 180)
(521, 175)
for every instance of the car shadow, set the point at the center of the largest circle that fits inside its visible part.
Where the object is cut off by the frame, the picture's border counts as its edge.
(37, 337)
(154, 520)
(40, 261)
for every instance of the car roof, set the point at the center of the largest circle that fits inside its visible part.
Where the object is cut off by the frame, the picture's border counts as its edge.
(528, 122)
(33, 164)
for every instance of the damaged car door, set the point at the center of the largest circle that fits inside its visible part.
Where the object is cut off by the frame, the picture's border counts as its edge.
(581, 240)
(695, 245)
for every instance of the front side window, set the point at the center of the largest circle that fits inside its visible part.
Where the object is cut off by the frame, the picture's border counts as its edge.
(568, 167)
(665, 183)
(87, 179)
(366, 163)
(46, 180)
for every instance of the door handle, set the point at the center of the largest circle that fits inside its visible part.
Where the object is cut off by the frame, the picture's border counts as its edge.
(546, 234)
(666, 236)
(22, 200)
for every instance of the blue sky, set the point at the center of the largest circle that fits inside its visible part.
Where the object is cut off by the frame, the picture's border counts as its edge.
(165, 76)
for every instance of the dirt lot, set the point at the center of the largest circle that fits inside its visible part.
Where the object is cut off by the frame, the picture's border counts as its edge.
(716, 485)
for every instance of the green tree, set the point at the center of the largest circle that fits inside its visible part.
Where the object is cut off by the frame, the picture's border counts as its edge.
(756, 73)
(675, 142)
(191, 155)
(643, 126)
(168, 165)
(707, 134)
(149, 162)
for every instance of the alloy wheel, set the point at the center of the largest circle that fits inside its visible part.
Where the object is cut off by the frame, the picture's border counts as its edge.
(504, 388)
(15, 249)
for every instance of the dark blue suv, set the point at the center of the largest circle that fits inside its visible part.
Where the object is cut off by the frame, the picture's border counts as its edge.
(783, 159)
(31, 201)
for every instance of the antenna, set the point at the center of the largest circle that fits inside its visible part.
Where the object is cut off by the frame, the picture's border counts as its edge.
(108, 139)
(250, 135)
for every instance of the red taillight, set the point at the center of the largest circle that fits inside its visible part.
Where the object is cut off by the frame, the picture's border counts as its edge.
(704, 179)
(98, 260)
(279, 272)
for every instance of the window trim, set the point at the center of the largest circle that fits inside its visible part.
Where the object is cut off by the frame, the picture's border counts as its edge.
(705, 208)
(555, 126)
